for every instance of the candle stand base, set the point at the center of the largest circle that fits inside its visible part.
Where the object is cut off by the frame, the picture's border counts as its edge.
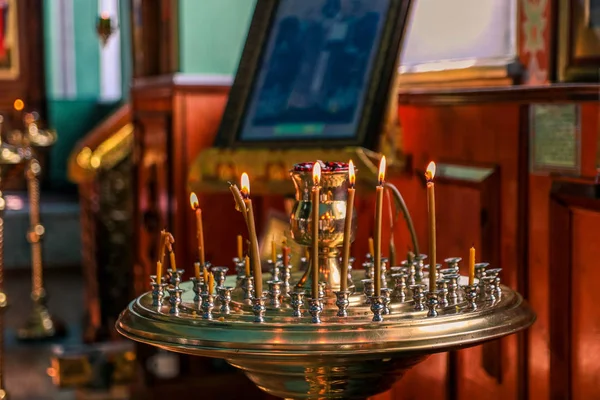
(347, 357)
(41, 325)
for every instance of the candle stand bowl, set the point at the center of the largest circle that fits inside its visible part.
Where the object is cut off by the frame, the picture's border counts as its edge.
(341, 358)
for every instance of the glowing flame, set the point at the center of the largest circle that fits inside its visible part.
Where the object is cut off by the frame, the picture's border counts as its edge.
(194, 201)
(351, 174)
(430, 173)
(382, 170)
(19, 105)
(105, 15)
(316, 173)
(245, 183)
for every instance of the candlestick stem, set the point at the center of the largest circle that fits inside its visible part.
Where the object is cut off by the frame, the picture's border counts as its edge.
(377, 240)
(315, 242)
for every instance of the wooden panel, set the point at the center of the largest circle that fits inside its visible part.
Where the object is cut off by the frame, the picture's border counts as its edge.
(585, 319)
(153, 192)
(486, 134)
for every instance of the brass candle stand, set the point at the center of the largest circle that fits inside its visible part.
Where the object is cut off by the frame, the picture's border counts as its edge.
(40, 324)
(344, 344)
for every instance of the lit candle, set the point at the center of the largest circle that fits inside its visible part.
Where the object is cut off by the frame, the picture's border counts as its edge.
(256, 266)
(199, 230)
(211, 283)
(348, 227)
(205, 275)
(247, 266)
(273, 250)
(316, 191)
(197, 271)
(378, 220)
(472, 265)
(429, 174)
(240, 247)
(158, 272)
(371, 247)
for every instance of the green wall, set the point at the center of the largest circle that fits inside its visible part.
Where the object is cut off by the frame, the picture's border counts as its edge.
(212, 34)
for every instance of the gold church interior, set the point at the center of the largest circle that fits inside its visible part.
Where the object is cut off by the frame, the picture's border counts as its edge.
(299, 199)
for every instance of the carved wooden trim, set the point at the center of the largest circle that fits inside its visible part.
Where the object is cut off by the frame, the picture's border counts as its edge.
(557, 93)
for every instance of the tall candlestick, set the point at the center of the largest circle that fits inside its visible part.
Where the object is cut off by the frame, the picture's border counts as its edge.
(247, 266)
(316, 191)
(158, 272)
(240, 247)
(472, 266)
(348, 228)
(205, 274)
(378, 221)
(199, 229)
(254, 252)
(429, 174)
(371, 247)
(273, 250)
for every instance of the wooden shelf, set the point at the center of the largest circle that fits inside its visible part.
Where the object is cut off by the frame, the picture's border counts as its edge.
(552, 93)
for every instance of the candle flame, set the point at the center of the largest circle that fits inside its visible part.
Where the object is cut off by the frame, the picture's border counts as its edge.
(316, 173)
(430, 173)
(105, 15)
(382, 170)
(351, 174)
(194, 201)
(245, 183)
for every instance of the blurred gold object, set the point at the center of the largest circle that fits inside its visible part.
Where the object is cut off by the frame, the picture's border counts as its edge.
(40, 324)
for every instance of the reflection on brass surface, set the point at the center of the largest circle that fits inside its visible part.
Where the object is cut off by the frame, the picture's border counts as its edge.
(332, 214)
(555, 137)
(86, 163)
(339, 358)
(269, 168)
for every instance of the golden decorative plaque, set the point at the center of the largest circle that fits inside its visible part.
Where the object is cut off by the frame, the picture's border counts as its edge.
(555, 138)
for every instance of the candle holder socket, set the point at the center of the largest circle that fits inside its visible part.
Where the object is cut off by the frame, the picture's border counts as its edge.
(442, 290)
(248, 288)
(369, 268)
(297, 301)
(369, 289)
(175, 278)
(274, 293)
(315, 309)
(418, 263)
(377, 308)
(419, 296)
(207, 305)
(386, 296)
(224, 293)
(453, 263)
(342, 302)
(258, 308)
(174, 300)
(453, 280)
(471, 296)
(220, 273)
(432, 304)
(158, 293)
(399, 286)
